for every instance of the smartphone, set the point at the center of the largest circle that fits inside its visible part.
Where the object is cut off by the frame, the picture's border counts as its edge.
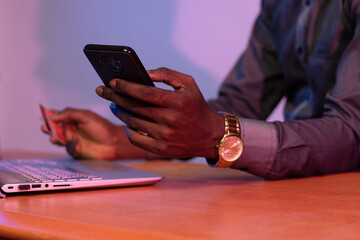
(117, 62)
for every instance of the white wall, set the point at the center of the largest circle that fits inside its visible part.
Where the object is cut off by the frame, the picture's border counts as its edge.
(41, 57)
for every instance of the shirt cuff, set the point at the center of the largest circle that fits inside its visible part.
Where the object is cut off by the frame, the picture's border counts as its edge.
(260, 140)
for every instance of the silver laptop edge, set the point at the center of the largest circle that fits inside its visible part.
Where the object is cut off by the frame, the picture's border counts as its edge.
(110, 175)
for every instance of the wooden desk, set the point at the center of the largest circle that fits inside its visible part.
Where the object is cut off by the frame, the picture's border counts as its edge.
(193, 202)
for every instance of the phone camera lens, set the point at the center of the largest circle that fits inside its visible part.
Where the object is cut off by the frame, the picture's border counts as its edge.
(112, 63)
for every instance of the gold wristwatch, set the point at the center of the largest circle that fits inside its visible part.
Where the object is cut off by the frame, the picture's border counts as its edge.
(230, 146)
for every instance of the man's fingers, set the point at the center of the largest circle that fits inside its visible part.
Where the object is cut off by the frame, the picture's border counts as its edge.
(145, 126)
(44, 129)
(147, 94)
(56, 142)
(71, 148)
(145, 109)
(143, 93)
(172, 78)
(143, 141)
(70, 115)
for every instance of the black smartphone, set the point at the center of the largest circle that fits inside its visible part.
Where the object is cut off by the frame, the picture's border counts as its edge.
(117, 62)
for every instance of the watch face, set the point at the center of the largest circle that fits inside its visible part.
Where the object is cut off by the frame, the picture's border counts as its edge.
(231, 148)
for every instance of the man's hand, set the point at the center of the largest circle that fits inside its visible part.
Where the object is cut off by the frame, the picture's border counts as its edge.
(175, 123)
(87, 135)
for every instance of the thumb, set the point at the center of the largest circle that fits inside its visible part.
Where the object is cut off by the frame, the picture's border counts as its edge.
(172, 78)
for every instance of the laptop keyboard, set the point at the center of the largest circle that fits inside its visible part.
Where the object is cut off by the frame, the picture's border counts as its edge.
(39, 171)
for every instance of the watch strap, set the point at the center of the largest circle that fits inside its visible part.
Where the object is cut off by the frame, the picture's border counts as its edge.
(232, 125)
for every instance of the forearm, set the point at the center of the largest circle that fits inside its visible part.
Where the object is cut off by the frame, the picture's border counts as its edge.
(298, 148)
(315, 147)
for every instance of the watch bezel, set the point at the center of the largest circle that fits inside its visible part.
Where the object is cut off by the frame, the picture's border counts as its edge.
(225, 140)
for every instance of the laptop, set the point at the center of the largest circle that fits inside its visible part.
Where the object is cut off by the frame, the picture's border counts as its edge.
(37, 175)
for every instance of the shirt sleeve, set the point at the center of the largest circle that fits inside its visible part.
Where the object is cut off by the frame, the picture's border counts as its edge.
(297, 148)
(251, 91)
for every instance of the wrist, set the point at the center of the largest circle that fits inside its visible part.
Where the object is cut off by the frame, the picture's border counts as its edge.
(216, 135)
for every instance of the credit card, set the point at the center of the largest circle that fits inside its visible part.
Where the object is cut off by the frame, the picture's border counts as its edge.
(53, 127)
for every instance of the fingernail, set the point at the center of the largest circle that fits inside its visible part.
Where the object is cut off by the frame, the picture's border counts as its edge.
(112, 107)
(112, 84)
(127, 132)
(99, 91)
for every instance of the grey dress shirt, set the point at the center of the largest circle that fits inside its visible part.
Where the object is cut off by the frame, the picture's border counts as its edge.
(309, 52)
